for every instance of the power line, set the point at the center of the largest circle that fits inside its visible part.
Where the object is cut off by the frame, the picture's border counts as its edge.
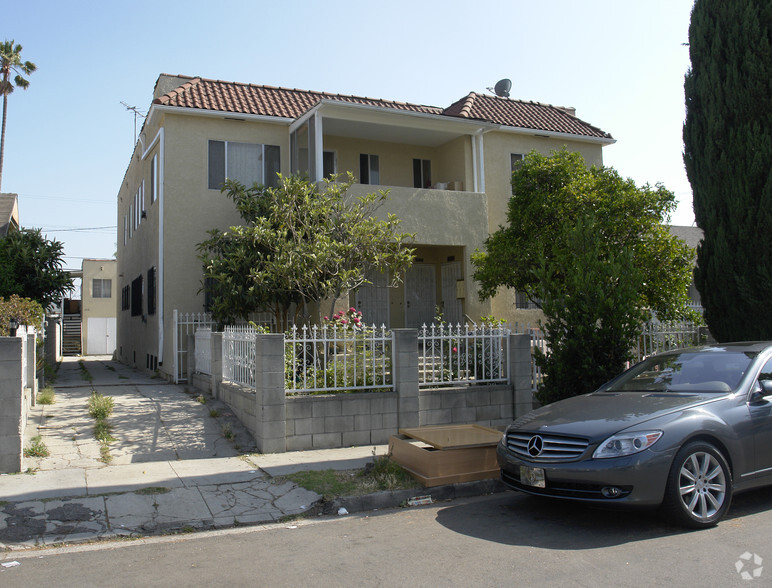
(79, 229)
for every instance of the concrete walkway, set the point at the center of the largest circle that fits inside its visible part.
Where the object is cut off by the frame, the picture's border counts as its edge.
(180, 461)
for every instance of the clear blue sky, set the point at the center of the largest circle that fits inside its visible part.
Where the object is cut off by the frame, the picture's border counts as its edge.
(69, 139)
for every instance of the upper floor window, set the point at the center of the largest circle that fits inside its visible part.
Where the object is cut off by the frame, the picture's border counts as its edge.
(151, 291)
(101, 288)
(246, 163)
(136, 296)
(369, 169)
(154, 178)
(516, 160)
(329, 164)
(422, 173)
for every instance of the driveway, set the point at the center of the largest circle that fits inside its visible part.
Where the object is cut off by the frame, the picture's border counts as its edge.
(152, 420)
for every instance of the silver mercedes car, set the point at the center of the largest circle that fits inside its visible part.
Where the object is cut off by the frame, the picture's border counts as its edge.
(682, 430)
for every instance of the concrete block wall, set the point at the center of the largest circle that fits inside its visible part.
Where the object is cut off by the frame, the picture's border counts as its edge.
(341, 420)
(13, 404)
(280, 423)
(489, 406)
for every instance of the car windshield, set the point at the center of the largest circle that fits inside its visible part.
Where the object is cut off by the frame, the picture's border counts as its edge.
(704, 371)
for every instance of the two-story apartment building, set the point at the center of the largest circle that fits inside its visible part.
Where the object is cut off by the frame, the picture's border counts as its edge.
(447, 171)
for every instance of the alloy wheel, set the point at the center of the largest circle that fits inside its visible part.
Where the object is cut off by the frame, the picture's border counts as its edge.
(702, 485)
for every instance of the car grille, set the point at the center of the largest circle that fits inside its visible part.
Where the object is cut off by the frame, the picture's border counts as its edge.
(553, 447)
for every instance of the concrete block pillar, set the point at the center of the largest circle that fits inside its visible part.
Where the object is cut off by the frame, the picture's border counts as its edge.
(216, 343)
(12, 403)
(32, 381)
(405, 374)
(520, 373)
(270, 397)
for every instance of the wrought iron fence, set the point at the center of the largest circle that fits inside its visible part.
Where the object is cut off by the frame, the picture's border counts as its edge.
(337, 358)
(659, 336)
(238, 355)
(461, 354)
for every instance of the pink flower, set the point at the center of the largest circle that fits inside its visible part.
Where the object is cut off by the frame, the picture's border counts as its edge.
(326, 318)
(344, 322)
(352, 309)
(455, 350)
(356, 320)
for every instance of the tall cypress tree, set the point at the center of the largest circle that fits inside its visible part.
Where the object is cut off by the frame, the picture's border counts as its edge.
(728, 157)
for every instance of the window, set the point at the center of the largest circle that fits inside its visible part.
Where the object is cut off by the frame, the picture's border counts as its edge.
(329, 164)
(154, 178)
(247, 163)
(515, 161)
(151, 291)
(369, 169)
(422, 173)
(125, 298)
(136, 297)
(101, 288)
(523, 302)
(125, 229)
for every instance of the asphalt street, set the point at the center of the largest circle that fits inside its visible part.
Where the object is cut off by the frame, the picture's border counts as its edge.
(502, 539)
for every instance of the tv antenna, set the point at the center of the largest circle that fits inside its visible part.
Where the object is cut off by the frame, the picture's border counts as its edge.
(501, 88)
(137, 113)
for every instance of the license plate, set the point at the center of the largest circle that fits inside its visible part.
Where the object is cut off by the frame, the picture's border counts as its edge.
(532, 477)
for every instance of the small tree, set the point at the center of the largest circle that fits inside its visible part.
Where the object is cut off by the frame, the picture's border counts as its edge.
(23, 310)
(31, 266)
(300, 244)
(590, 248)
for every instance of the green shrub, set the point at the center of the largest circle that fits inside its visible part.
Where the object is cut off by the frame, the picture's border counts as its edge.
(36, 448)
(99, 406)
(46, 395)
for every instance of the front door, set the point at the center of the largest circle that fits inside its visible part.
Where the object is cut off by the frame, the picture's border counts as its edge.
(452, 311)
(420, 295)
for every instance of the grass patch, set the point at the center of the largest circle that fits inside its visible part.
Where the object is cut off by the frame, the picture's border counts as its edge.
(381, 474)
(201, 398)
(102, 430)
(214, 413)
(120, 377)
(46, 395)
(36, 448)
(100, 406)
(84, 373)
(227, 432)
(150, 490)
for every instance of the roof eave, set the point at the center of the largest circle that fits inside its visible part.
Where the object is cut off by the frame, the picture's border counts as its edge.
(557, 135)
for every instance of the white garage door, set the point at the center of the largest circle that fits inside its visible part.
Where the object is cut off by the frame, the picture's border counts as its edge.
(101, 336)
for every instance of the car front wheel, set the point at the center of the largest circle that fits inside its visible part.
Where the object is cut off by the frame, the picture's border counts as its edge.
(699, 486)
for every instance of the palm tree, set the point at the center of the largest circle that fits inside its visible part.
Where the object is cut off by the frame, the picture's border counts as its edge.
(10, 62)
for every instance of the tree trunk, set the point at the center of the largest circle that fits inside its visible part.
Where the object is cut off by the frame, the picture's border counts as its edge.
(2, 139)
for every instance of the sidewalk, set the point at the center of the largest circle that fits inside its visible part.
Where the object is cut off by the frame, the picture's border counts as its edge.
(173, 467)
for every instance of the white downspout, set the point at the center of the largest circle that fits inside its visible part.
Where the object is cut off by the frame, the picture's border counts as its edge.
(159, 138)
(480, 170)
(318, 148)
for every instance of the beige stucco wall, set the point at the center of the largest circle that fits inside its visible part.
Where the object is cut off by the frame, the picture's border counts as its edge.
(103, 269)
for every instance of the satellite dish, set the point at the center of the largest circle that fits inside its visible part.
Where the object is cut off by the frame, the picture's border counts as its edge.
(502, 88)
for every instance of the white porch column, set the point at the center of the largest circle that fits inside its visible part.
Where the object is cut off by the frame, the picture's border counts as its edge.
(478, 158)
(318, 147)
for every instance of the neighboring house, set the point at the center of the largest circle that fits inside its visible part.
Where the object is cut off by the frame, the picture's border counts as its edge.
(98, 306)
(692, 237)
(447, 170)
(9, 214)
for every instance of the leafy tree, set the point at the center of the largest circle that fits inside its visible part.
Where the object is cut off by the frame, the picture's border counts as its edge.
(590, 249)
(727, 152)
(11, 64)
(31, 266)
(300, 244)
(24, 310)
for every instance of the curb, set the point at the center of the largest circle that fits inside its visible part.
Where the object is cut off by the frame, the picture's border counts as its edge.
(394, 499)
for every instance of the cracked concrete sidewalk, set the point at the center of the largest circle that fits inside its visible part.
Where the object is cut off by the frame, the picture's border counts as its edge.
(177, 464)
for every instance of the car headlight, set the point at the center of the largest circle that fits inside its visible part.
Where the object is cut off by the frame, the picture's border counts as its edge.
(623, 444)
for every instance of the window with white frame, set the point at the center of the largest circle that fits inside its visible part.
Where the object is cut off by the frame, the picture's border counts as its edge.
(246, 163)
(329, 164)
(515, 161)
(422, 173)
(153, 179)
(369, 169)
(101, 288)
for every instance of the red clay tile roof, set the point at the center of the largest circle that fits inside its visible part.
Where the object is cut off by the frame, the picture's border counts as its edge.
(239, 98)
(516, 113)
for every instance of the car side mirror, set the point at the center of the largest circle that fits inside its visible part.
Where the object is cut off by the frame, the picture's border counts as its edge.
(761, 390)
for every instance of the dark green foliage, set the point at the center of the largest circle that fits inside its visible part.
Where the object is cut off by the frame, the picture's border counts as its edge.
(592, 247)
(31, 266)
(592, 311)
(728, 157)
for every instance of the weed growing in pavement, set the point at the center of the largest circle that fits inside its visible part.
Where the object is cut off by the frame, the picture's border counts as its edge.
(100, 406)
(201, 398)
(214, 413)
(84, 373)
(36, 448)
(109, 367)
(227, 432)
(46, 395)
(50, 372)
